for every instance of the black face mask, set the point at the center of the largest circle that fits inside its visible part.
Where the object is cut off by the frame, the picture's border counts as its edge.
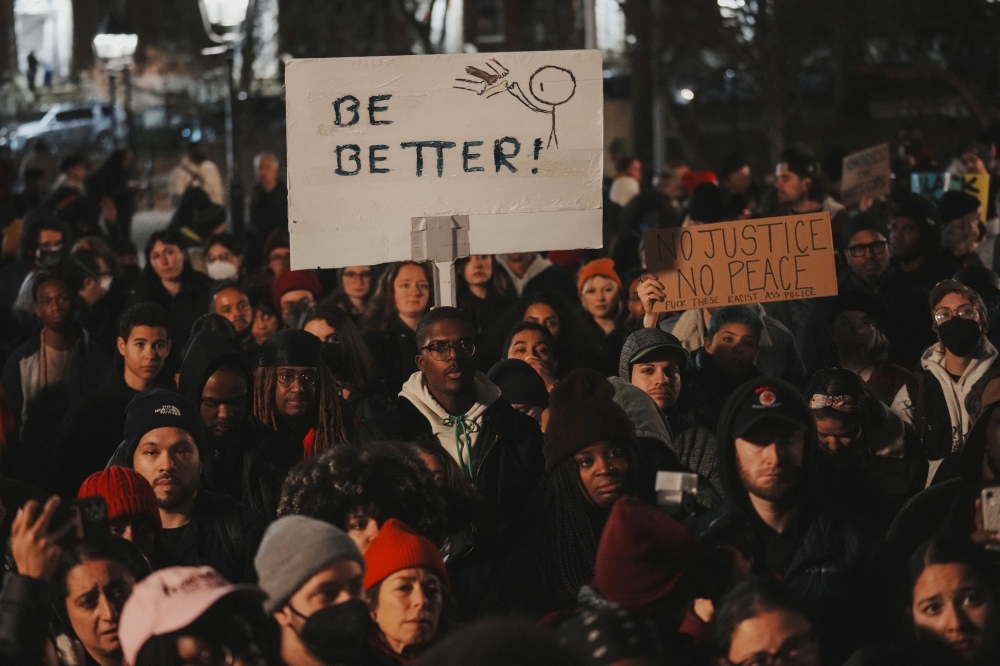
(960, 336)
(337, 635)
(48, 259)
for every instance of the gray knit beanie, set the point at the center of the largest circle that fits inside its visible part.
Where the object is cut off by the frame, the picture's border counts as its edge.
(293, 550)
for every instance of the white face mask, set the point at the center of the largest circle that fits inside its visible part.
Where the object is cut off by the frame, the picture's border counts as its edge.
(222, 270)
(106, 282)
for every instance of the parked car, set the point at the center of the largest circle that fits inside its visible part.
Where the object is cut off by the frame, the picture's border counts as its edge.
(77, 126)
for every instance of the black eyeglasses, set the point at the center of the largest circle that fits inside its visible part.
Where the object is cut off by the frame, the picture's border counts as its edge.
(876, 248)
(793, 651)
(441, 350)
(307, 378)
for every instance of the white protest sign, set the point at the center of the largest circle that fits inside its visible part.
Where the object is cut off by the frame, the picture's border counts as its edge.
(508, 145)
(866, 173)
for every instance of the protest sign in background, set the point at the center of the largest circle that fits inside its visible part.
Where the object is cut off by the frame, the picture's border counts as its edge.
(933, 185)
(866, 173)
(751, 261)
(509, 145)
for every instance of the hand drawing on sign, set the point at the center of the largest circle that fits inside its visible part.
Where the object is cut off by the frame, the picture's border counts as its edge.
(548, 87)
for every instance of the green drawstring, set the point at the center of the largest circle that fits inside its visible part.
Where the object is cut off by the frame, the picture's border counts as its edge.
(464, 428)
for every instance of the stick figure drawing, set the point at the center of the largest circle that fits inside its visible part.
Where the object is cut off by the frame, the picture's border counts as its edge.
(549, 87)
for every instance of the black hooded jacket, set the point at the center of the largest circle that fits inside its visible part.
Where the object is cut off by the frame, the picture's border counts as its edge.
(224, 464)
(706, 387)
(873, 479)
(834, 567)
(94, 428)
(190, 303)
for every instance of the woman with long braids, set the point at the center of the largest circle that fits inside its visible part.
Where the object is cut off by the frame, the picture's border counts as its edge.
(590, 460)
(296, 400)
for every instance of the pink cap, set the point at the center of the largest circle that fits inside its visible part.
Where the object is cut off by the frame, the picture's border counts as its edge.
(168, 600)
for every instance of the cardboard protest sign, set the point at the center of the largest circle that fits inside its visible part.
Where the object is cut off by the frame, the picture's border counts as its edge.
(933, 185)
(866, 173)
(390, 158)
(751, 261)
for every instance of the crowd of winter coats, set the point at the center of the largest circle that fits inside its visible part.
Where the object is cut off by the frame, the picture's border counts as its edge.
(214, 459)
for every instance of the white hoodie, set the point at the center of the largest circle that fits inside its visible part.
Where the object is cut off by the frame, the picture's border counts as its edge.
(415, 390)
(537, 265)
(954, 392)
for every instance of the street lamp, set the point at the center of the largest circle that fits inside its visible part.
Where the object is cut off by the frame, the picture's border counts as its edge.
(114, 47)
(224, 21)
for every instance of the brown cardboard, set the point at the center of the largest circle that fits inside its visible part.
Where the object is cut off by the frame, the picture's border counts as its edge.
(866, 173)
(750, 261)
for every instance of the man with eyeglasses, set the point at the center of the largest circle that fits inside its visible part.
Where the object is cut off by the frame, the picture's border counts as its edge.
(935, 404)
(777, 523)
(296, 401)
(868, 255)
(497, 448)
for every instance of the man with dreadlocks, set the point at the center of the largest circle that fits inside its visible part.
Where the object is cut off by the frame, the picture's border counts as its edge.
(497, 448)
(295, 398)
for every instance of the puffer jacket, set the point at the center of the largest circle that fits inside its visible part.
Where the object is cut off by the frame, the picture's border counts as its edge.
(836, 568)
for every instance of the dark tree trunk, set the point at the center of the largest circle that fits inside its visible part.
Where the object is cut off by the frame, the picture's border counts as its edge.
(8, 42)
(637, 17)
(86, 19)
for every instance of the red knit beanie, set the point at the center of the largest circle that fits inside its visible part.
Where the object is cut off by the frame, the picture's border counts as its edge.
(397, 547)
(643, 554)
(293, 280)
(582, 411)
(605, 267)
(125, 491)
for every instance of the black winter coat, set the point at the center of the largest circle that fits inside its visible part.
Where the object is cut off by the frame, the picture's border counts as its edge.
(834, 566)
(874, 488)
(948, 507)
(93, 429)
(706, 388)
(511, 465)
(394, 351)
(190, 303)
(29, 456)
(265, 467)
(908, 330)
(835, 569)
(226, 537)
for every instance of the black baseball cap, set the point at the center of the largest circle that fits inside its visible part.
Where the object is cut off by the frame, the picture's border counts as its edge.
(764, 399)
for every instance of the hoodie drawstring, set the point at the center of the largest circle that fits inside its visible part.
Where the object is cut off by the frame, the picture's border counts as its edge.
(464, 428)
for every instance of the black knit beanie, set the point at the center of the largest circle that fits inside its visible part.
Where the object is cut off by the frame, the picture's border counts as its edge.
(582, 411)
(160, 408)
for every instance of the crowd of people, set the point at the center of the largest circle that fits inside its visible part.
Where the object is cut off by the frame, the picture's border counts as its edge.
(213, 459)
